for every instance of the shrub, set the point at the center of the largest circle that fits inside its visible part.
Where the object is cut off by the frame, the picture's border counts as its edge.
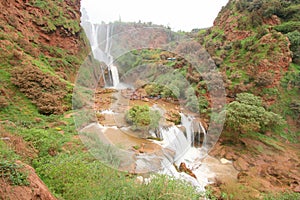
(246, 114)
(46, 92)
(153, 89)
(294, 38)
(264, 79)
(288, 27)
(194, 103)
(143, 118)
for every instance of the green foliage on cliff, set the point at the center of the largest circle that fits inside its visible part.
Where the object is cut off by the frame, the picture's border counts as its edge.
(247, 114)
(11, 172)
(60, 15)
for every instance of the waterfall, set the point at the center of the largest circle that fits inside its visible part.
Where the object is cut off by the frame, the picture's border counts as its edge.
(115, 75)
(181, 142)
(97, 34)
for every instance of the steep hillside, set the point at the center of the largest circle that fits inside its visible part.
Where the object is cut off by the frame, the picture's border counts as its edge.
(40, 38)
(41, 49)
(255, 45)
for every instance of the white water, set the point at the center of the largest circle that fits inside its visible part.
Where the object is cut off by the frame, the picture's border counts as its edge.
(178, 139)
(115, 75)
(183, 146)
(94, 32)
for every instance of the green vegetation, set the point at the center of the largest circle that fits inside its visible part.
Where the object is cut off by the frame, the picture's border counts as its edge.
(247, 114)
(56, 17)
(11, 172)
(282, 196)
(80, 176)
(143, 118)
(194, 103)
(36, 76)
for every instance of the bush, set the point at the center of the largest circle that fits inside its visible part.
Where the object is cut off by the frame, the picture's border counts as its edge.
(246, 114)
(263, 79)
(288, 27)
(294, 38)
(80, 176)
(46, 92)
(142, 118)
(194, 103)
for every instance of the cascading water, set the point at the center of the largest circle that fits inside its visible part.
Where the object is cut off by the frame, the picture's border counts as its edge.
(175, 138)
(98, 34)
(181, 141)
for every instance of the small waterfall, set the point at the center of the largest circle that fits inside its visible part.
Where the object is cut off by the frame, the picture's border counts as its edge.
(115, 75)
(175, 139)
(182, 141)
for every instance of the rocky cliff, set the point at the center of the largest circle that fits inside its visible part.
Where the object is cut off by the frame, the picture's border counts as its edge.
(255, 45)
(41, 48)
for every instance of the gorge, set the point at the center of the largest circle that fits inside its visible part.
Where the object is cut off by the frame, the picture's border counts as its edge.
(134, 110)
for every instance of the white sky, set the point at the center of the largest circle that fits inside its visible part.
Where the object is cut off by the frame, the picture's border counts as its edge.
(181, 15)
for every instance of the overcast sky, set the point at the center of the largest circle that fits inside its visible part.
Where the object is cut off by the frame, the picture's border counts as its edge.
(179, 15)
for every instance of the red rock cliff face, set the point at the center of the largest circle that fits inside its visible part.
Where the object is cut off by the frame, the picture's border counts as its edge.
(259, 50)
(33, 21)
(42, 38)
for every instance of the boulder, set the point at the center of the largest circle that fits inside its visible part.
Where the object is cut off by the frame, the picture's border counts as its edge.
(185, 169)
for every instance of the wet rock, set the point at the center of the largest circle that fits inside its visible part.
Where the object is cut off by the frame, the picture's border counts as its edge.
(185, 169)
(225, 161)
(173, 116)
(241, 165)
(230, 155)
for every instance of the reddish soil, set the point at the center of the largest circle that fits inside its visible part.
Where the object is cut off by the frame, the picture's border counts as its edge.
(263, 167)
(36, 190)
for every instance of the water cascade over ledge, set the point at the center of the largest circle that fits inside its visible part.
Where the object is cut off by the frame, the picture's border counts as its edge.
(101, 49)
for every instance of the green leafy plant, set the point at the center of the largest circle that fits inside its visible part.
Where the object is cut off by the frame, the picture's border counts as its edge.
(81, 176)
(143, 118)
(10, 171)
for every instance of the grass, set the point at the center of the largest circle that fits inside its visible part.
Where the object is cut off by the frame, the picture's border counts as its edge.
(272, 142)
(283, 196)
(71, 172)
(9, 170)
(81, 176)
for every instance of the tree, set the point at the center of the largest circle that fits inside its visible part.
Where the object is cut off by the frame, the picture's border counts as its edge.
(247, 114)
